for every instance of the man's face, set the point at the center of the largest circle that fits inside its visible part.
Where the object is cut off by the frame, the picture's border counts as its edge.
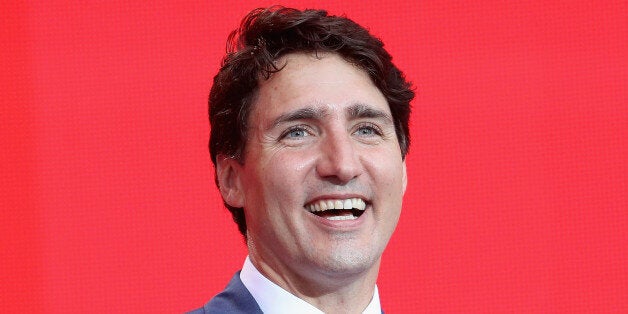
(320, 135)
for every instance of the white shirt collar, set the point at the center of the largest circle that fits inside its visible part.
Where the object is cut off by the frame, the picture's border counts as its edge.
(269, 295)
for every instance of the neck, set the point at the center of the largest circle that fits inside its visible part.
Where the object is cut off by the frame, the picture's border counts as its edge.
(352, 298)
(331, 291)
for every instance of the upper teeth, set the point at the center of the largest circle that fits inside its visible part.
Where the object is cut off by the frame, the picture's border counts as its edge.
(349, 203)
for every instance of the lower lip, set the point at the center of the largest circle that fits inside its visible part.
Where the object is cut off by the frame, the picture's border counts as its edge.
(344, 225)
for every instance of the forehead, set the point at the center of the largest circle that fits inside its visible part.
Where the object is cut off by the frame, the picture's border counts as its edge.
(325, 81)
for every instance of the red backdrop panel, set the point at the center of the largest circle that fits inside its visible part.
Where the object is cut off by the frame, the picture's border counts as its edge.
(518, 184)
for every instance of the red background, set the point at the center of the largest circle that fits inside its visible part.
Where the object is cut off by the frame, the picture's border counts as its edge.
(518, 184)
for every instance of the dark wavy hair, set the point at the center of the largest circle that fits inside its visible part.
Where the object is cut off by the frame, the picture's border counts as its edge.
(265, 35)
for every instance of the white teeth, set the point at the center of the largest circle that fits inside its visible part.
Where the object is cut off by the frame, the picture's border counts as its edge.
(323, 206)
(330, 204)
(361, 205)
(347, 217)
(338, 204)
(349, 203)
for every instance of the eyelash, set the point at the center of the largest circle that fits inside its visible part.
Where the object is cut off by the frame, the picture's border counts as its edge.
(296, 128)
(370, 126)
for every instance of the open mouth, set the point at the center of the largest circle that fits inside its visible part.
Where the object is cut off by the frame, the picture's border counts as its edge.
(338, 209)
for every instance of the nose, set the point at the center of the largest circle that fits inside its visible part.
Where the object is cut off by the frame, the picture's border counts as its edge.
(339, 160)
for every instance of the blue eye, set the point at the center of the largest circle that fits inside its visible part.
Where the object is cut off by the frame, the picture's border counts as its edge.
(367, 130)
(297, 133)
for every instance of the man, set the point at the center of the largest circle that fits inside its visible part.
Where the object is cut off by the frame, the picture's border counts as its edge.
(309, 132)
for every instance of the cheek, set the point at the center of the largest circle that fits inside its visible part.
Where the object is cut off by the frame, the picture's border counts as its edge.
(290, 163)
(384, 164)
(284, 173)
(390, 181)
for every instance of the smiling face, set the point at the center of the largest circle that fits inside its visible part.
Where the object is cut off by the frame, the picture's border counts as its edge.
(322, 177)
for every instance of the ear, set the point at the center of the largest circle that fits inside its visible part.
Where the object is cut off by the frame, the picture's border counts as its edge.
(228, 174)
(405, 176)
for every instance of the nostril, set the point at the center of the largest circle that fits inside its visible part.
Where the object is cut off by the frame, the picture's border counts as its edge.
(339, 171)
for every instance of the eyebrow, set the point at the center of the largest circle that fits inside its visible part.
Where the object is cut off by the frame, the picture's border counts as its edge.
(355, 111)
(360, 110)
(308, 113)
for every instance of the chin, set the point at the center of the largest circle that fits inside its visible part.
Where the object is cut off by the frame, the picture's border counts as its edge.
(350, 261)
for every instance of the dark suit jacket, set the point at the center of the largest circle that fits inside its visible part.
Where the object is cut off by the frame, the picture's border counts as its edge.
(234, 299)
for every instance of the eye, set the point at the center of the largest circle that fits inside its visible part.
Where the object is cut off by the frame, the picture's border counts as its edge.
(367, 130)
(295, 132)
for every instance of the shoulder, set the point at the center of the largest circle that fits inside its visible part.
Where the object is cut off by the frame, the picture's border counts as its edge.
(234, 299)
